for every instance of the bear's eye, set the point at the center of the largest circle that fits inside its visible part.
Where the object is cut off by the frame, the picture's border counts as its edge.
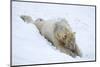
(64, 36)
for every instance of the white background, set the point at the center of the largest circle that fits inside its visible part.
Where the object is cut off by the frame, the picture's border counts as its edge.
(5, 32)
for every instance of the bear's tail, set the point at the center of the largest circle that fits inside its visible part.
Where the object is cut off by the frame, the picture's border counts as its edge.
(26, 18)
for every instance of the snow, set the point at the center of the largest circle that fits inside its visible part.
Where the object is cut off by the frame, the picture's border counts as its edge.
(29, 47)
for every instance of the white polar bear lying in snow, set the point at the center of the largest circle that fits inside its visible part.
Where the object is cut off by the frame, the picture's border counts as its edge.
(59, 33)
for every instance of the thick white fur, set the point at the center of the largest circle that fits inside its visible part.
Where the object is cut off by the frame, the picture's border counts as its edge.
(59, 33)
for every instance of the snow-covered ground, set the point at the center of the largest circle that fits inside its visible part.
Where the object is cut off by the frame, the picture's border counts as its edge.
(29, 47)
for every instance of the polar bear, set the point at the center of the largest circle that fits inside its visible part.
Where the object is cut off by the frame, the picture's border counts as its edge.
(59, 33)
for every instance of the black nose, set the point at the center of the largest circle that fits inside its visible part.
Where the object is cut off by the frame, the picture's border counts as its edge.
(72, 47)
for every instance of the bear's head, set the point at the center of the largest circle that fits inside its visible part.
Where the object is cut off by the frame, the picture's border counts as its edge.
(65, 36)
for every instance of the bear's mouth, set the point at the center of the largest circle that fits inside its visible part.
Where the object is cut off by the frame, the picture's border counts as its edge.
(72, 50)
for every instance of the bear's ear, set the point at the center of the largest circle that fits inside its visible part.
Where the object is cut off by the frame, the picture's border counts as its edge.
(74, 33)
